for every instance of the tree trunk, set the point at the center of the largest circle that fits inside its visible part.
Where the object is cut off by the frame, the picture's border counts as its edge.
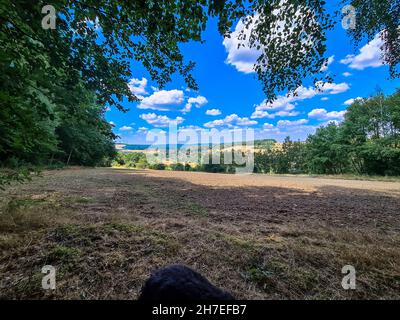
(69, 157)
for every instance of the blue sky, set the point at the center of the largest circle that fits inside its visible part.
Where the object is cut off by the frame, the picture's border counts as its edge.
(230, 96)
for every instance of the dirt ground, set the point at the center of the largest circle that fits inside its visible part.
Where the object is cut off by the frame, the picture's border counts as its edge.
(256, 236)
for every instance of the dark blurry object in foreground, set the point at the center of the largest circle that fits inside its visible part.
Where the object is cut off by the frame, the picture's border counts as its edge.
(180, 283)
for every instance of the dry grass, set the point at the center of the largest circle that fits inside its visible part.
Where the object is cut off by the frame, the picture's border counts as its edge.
(105, 230)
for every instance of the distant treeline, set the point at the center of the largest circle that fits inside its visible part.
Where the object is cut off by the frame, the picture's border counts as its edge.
(367, 142)
(138, 160)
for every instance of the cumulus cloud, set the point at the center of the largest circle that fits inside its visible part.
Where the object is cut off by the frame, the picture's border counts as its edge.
(286, 114)
(231, 121)
(242, 58)
(138, 87)
(268, 126)
(333, 88)
(322, 114)
(163, 100)
(351, 101)
(288, 123)
(370, 55)
(189, 127)
(347, 74)
(142, 130)
(258, 114)
(160, 121)
(330, 60)
(213, 112)
(285, 105)
(324, 98)
(126, 128)
(198, 102)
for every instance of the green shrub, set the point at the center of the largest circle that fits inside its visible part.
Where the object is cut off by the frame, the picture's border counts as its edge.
(157, 166)
(131, 160)
(214, 168)
(177, 167)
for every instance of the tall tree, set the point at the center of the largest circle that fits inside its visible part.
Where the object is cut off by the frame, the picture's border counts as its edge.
(327, 153)
(371, 130)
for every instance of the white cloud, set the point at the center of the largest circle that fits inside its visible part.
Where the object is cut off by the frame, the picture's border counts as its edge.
(189, 127)
(260, 114)
(322, 114)
(198, 102)
(108, 109)
(333, 88)
(242, 58)
(230, 121)
(268, 126)
(112, 123)
(288, 123)
(267, 109)
(160, 121)
(347, 74)
(330, 60)
(213, 112)
(142, 130)
(285, 105)
(125, 128)
(286, 114)
(370, 55)
(351, 101)
(138, 87)
(163, 100)
(324, 98)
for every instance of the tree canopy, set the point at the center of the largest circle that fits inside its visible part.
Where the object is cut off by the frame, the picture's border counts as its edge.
(55, 84)
(99, 38)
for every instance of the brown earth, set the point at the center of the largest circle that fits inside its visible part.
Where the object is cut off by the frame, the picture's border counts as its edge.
(257, 236)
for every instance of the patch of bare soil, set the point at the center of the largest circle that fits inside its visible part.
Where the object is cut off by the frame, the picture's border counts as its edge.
(257, 236)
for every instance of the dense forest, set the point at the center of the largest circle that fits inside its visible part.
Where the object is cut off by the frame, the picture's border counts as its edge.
(56, 83)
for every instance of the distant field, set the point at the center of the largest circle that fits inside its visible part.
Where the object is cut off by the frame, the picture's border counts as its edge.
(257, 236)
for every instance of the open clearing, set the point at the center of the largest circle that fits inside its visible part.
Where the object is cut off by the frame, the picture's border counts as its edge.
(257, 236)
